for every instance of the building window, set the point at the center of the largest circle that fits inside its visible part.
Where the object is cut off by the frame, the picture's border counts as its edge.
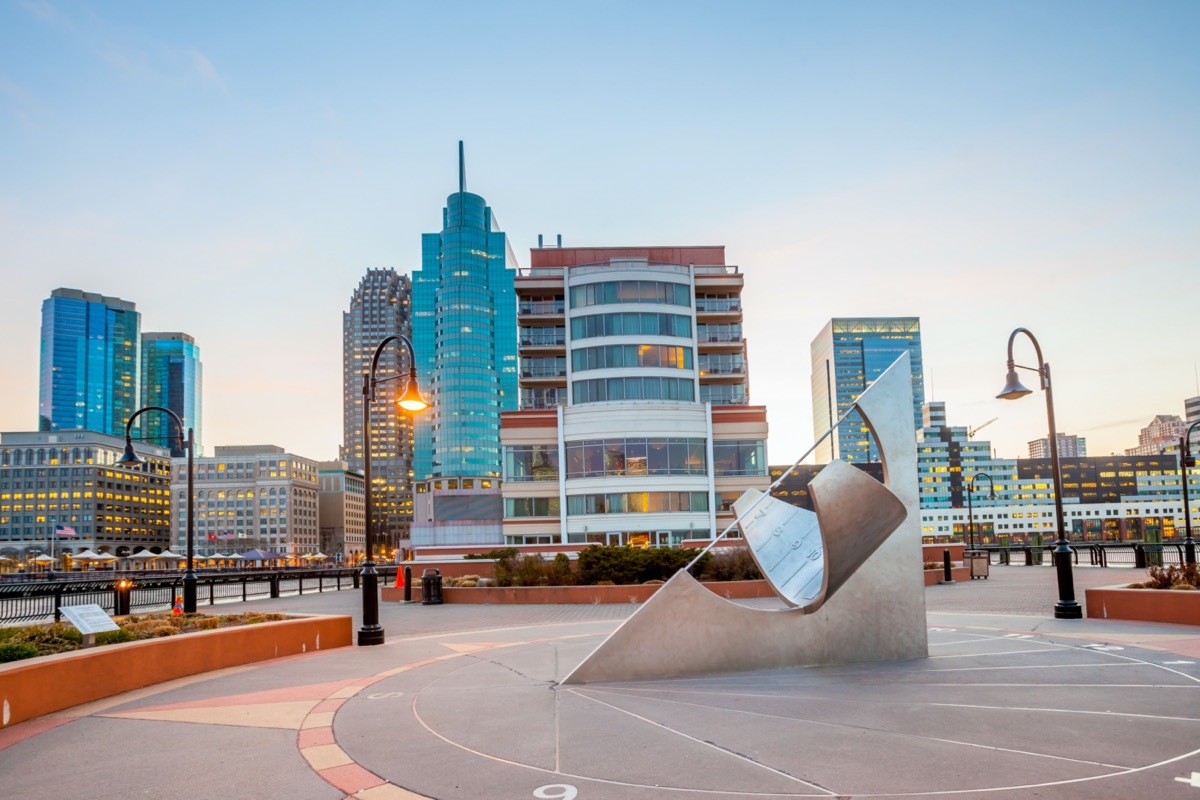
(631, 324)
(649, 456)
(531, 463)
(610, 292)
(739, 457)
(633, 388)
(516, 507)
(631, 355)
(636, 503)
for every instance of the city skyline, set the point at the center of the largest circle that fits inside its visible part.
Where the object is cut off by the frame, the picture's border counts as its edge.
(980, 168)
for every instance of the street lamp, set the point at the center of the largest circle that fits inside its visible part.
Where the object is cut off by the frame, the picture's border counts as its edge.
(130, 457)
(1066, 607)
(970, 510)
(410, 400)
(1186, 461)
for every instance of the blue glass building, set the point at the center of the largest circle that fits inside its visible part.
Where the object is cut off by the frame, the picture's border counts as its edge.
(847, 356)
(171, 377)
(89, 362)
(465, 336)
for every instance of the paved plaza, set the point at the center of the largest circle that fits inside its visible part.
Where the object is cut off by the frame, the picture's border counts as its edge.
(463, 702)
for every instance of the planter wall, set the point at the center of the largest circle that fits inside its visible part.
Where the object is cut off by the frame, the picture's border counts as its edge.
(1147, 605)
(39, 686)
(935, 576)
(542, 595)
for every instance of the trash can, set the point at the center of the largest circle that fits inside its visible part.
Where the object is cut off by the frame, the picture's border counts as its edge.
(979, 561)
(431, 587)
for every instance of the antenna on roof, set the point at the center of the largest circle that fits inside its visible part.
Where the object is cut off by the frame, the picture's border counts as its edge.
(462, 168)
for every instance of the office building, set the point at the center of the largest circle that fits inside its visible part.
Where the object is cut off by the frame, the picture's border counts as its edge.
(171, 378)
(847, 356)
(635, 425)
(246, 497)
(1069, 446)
(341, 512)
(380, 307)
(1162, 435)
(1191, 410)
(70, 478)
(465, 335)
(89, 362)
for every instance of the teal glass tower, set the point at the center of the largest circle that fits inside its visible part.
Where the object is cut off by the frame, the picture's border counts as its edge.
(465, 336)
(171, 378)
(847, 356)
(89, 362)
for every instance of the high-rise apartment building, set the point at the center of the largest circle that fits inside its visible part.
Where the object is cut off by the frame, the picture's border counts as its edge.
(381, 306)
(1162, 435)
(171, 378)
(70, 479)
(249, 496)
(634, 426)
(1191, 410)
(89, 362)
(847, 356)
(465, 336)
(1069, 446)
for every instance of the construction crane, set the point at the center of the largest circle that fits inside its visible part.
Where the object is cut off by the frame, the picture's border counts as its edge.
(972, 431)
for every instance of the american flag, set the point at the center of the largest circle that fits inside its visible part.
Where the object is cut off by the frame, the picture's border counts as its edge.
(65, 530)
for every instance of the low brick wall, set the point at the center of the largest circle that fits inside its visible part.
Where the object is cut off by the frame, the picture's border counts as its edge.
(555, 595)
(936, 576)
(38, 686)
(1147, 605)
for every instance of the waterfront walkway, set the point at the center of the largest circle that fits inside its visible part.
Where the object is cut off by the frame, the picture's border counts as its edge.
(462, 702)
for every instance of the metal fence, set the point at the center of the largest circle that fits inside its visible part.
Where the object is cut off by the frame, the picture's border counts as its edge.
(1097, 554)
(34, 600)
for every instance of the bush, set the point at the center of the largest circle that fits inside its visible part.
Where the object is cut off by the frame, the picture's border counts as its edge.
(623, 565)
(114, 637)
(730, 564)
(494, 555)
(1186, 576)
(17, 651)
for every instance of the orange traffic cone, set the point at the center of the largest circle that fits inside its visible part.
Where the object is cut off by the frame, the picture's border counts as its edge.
(177, 609)
(400, 577)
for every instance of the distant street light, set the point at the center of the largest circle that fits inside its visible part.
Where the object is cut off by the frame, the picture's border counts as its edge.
(1066, 607)
(1186, 462)
(970, 510)
(410, 400)
(130, 457)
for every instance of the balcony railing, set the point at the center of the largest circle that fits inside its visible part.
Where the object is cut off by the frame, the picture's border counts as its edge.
(544, 372)
(715, 306)
(539, 339)
(541, 308)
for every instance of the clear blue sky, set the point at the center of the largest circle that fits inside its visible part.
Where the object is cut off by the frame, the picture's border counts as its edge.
(235, 168)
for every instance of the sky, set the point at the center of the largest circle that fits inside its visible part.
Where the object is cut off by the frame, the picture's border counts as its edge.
(234, 169)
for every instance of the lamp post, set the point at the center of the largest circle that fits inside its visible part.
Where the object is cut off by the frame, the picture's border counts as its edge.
(410, 400)
(1186, 461)
(970, 510)
(130, 457)
(1066, 607)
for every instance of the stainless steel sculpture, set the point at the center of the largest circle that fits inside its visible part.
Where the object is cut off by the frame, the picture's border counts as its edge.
(807, 556)
(862, 543)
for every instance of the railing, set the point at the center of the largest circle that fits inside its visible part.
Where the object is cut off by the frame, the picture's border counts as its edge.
(544, 372)
(715, 306)
(551, 340)
(1097, 554)
(541, 307)
(32, 600)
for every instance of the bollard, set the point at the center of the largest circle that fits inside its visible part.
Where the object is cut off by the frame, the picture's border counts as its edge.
(121, 603)
(407, 584)
(948, 576)
(274, 587)
(1139, 557)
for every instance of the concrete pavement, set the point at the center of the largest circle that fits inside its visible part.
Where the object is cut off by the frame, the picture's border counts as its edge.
(463, 702)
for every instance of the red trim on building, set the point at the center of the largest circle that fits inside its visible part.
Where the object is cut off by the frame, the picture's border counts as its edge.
(703, 255)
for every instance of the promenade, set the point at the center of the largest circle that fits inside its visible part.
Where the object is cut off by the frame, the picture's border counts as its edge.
(462, 702)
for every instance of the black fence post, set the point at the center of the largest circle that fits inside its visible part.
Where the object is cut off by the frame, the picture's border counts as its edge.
(948, 574)
(1139, 557)
(407, 584)
(274, 581)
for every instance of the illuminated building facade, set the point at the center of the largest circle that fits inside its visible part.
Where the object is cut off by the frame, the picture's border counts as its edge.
(171, 378)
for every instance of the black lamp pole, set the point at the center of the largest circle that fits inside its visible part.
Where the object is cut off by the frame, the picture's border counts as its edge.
(1066, 607)
(130, 457)
(970, 510)
(1186, 461)
(371, 631)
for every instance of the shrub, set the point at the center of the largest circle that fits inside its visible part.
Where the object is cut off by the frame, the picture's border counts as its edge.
(17, 651)
(558, 571)
(623, 565)
(1186, 576)
(494, 555)
(114, 637)
(730, 564)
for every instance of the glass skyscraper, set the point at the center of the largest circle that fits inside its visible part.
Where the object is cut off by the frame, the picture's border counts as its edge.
(847, 356)
(381, 306)
(171, 378)
(465, 335)
(89, 362)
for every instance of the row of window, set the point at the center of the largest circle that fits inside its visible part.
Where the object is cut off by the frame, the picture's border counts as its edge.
(612, 503)
(633, 388)
(609, 292)
(631, 324)
(631, 355)
(598, 458)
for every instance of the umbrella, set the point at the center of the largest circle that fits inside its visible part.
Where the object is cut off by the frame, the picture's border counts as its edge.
(319, 556)
(261, 555)
(86, 555)
(144, 554)
(236, 557)
(107, 557)
(45, 559)
(168, 554)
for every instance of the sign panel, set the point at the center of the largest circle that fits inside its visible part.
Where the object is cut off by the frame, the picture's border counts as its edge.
(90, 619)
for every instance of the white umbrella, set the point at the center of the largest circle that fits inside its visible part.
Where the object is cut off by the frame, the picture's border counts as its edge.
(169, 555)
(107, 557)
(145, 554)
(45, 559)
(319, 556)
(237, 557)
(86, 555)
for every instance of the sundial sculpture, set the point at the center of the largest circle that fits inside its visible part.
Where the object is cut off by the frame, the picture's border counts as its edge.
(850, 573)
